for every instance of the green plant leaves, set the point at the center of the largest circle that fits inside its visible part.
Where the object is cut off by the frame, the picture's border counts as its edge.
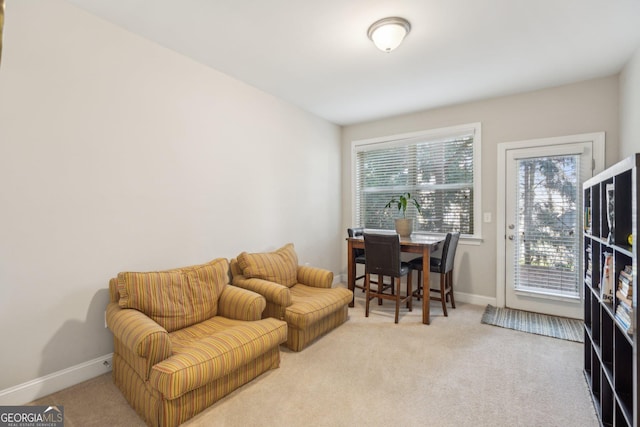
(402, 202)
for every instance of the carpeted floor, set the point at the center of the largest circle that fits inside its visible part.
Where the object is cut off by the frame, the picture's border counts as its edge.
(534, 323)
(372, 372)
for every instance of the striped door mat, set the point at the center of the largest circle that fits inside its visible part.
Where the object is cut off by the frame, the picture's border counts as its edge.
(534, 323)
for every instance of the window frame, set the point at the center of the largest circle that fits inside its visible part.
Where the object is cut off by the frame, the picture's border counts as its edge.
(404, 139)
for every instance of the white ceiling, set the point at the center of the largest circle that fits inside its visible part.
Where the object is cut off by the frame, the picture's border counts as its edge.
(316, 54)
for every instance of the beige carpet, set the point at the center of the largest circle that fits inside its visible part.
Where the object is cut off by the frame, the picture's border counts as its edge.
(371, 372)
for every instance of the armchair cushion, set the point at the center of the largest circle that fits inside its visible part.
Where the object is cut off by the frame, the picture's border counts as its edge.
(279, 266)
(212, 349)
(311, 304)
(176, 298)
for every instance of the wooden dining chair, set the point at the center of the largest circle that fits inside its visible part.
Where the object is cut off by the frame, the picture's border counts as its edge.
(383, 258)
(443, 266)
(359, 257)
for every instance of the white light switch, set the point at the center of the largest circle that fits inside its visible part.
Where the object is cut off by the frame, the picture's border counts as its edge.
(487, 217)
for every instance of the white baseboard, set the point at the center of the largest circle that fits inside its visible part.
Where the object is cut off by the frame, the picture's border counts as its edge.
(56, 381)
(474, 299)
(337, 279)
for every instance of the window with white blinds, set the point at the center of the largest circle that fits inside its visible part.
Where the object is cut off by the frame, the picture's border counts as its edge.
(439, 168)
(546, 239)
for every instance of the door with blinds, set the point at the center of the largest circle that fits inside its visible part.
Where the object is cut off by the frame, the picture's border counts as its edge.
(543, 221)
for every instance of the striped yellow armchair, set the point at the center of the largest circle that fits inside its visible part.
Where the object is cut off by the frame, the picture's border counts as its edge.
(300, 295)
(184, 338)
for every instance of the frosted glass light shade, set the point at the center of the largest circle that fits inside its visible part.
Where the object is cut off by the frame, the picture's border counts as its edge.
(388, 33)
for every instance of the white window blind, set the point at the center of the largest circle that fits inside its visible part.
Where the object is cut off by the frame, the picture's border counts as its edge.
(546, 241)
(437, 170)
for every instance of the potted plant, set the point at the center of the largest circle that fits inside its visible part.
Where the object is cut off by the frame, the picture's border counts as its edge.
(404, 225)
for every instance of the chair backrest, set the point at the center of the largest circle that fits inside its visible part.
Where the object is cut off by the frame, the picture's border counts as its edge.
(449, 251)
(383, 254)
(356, 232)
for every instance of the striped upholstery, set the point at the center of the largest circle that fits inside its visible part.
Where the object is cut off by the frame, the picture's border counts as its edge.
(170, 376)
(156, 411)
(315, 277)
(299, 338)
(114, 295)
(176, 298)
(240, 304)
(278, 298)
(310, 304)
(219, 346)
(279, 266)
(272, 291)
(142, 340)
(314, 312)
(311, 307)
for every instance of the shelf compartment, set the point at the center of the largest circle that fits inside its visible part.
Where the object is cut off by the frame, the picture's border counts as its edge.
(623, 371)
(612, 202)
(621, 418)
(607, 403)
(607, 339)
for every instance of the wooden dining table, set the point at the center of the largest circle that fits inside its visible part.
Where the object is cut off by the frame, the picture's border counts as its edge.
(415, 244)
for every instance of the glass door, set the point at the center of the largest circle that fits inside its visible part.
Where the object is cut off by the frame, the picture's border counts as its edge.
(543, 220)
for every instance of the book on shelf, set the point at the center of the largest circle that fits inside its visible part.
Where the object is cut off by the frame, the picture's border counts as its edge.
(625, 323)
(587, 278)
(610, 191)
(588, 270)
(624, 301)
(587, 219)
(606, 285)
(626, 289)
(623, 315)
(624, 293)
(627, 273)
(625, 282)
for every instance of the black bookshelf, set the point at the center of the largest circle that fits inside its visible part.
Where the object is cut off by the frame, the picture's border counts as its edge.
(611, 207)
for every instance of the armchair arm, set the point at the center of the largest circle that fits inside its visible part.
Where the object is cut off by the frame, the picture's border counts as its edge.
(140, 335)
(315, 277)
(273, 292)
(240, 304)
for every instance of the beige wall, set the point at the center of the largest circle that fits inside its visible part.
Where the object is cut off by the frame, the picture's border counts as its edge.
(117, 154)
(630, 107)
(585, 107)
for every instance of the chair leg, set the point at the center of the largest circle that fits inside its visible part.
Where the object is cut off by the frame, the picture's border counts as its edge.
(419, 285)
(367, 285)
(443, 279)
(397, 284)
(380, 287)
(409, 292)
(453, 302)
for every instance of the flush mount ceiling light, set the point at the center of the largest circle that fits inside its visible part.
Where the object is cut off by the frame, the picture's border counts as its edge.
(388, 33)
